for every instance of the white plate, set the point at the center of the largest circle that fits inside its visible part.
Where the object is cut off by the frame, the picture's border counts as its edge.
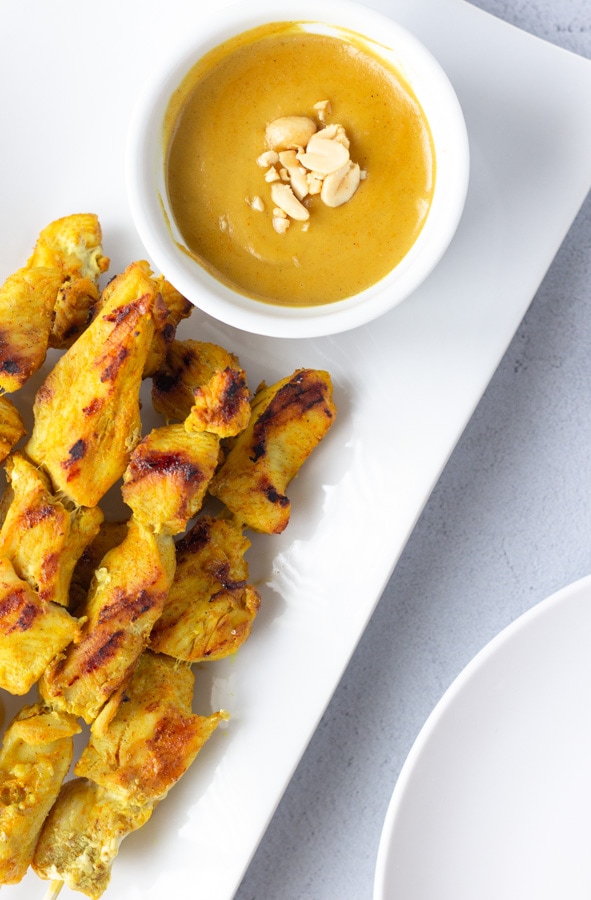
(405, 385)
(494, 799)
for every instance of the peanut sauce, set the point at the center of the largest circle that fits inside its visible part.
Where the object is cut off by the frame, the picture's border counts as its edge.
(215, 131)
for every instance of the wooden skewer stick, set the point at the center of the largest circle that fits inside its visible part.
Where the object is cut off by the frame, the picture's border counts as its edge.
(53, 890)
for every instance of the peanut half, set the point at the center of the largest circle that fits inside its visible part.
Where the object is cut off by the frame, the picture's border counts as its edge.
(289, 132)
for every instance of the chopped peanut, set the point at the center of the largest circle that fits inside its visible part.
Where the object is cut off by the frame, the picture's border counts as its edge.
(306, 161)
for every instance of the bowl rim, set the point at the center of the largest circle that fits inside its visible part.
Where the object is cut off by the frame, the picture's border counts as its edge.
(144, 165)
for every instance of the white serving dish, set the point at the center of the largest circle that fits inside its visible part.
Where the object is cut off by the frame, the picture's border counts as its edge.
(493, 799)
(146, 165)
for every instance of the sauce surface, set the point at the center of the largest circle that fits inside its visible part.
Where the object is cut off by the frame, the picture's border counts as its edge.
(215, 131)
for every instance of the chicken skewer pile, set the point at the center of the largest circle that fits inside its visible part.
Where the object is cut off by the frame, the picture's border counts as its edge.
(108, 617)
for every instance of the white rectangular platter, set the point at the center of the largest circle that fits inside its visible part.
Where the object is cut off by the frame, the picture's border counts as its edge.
(405, 386)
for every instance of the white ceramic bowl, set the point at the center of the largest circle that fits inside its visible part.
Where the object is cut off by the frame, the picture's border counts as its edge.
(146, 171)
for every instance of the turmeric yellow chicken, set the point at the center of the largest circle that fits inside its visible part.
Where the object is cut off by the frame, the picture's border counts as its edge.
(221, 406)
(35, 757)
(87, 413)
(170, 308)
(173, 309)
(146, 736)
(190, 366)
(32, 632)
(210, 607)
(27, 300)
(167, 477)
(288, 421)
(109, 535)
(12, 427)
(42, 538)
(73, 245)
(108, 617)
(143, 741)
(82, 834)
(169, 471)
(125, 599)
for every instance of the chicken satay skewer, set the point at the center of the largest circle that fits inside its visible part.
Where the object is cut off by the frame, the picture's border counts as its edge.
(126, 597)
(35, 756)
(170, 470)
(164, 485)
(141, 744)
(47, 303)
(87, 411)
(166, 477)
(288, 421)
(210, 608)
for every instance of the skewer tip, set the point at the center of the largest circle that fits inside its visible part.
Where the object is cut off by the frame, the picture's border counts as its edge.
(53, 890)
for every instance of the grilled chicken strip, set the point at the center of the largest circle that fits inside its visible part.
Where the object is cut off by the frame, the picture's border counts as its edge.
(42, 538)
(32, 632)
(35, 757)
(174, 309)
(27, 300)
(12, 427)
(126, 597)
(169, 471)
(144, 740)
(147, 736)
(48, 302)
(215, 374)
(170, 308)
(73, 245)
(167, 477)
(288, 421)
(87, 416)
(210, 607)
(81, 836)
(221, 406)
(109, 535)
